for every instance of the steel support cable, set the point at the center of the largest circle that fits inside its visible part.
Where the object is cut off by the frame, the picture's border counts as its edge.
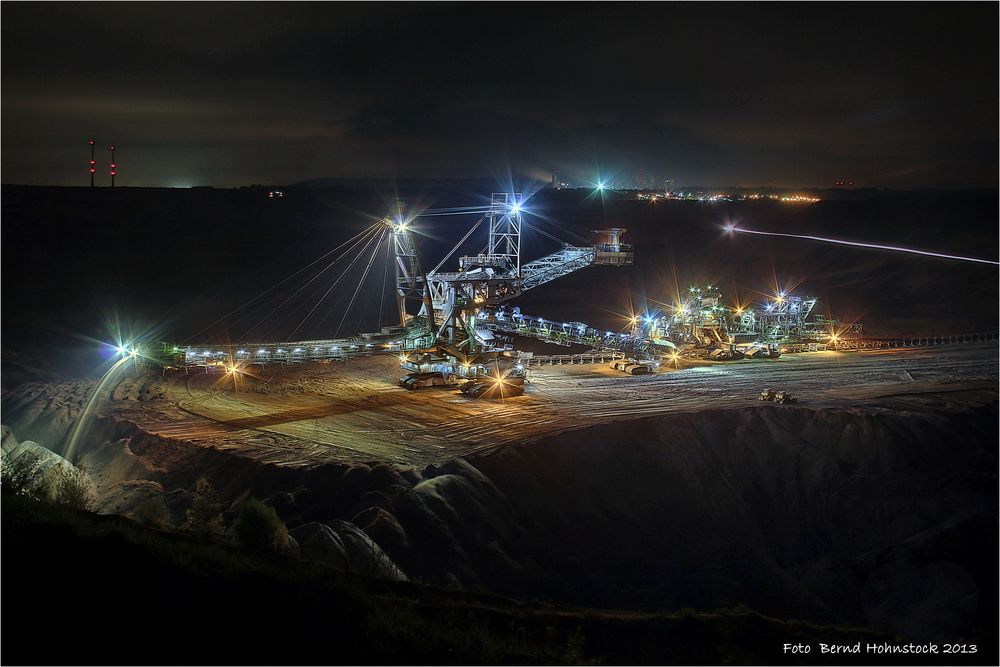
(385, 280)
(341, 277)
(371, 236)
(449, 209)
(545, 233)
(469, 212)
(457, 246)
(356, 290)
(560, 228)
(370, 233)
(282, 282)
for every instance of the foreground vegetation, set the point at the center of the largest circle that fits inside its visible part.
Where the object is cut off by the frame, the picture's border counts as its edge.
(82, 588)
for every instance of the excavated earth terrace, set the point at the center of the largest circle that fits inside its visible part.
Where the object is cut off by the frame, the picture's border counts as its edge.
(307, 415)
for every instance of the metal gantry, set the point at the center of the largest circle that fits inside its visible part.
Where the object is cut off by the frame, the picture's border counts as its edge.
(504, 247)
(459, 306)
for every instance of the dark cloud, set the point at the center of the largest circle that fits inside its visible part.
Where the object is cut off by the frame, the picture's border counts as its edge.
(231, 93)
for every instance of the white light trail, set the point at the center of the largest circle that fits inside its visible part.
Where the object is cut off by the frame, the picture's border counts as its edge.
(858, 244)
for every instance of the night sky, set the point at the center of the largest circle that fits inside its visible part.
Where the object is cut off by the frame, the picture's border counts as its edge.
(792, 94)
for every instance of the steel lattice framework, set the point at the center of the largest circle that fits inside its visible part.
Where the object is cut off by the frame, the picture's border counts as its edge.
(504, 248)
(459, 305)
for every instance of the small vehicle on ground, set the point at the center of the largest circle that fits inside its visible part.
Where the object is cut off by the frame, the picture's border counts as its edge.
(784, 397)
(632, 366)
(491, 386)
(780, 397)
(429, 379)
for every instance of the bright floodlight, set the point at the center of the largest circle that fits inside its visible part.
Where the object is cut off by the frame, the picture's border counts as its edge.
(397, 225)
(730, 227)
(600, 186)
(515, 208)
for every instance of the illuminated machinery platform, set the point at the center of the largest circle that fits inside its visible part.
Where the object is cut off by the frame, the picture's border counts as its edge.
(454, 309)
(702, 319)
(388, 340)
(564, 333)
(466, 305)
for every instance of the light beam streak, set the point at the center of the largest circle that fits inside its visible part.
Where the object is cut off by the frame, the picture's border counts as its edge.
(89, 408)
(858, 244)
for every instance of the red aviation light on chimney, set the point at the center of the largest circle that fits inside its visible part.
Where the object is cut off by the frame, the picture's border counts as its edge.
(114, 166)
(93, 164)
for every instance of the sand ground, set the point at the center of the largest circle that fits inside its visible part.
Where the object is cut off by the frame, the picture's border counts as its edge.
(309, 414)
